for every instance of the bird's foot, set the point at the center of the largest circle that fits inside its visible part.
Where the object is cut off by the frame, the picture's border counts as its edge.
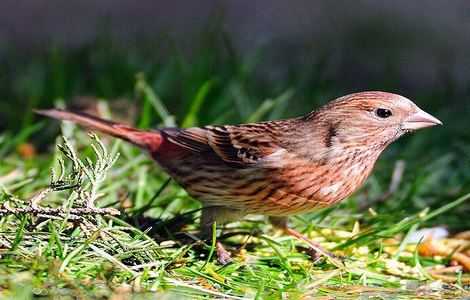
(318, 255)
(223, 256)
(316, 250)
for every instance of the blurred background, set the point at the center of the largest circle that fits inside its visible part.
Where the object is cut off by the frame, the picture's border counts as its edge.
(319, 49)
(237, 61)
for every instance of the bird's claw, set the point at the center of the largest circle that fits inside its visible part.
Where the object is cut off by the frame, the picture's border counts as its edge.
(223, 256)
(318, 255)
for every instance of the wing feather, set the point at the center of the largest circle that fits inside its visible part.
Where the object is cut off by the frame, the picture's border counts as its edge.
(243, 145)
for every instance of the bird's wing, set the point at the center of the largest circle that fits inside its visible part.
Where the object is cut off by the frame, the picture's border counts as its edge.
(243, 144)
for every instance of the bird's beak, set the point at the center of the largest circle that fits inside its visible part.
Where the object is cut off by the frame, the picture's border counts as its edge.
(418, 120)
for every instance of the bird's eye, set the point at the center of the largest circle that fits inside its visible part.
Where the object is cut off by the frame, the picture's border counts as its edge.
(383, 113)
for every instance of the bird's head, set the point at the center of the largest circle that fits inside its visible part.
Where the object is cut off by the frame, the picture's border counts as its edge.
(370, 119)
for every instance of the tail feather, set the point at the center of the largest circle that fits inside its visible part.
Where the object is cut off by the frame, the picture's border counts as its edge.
(146, 139)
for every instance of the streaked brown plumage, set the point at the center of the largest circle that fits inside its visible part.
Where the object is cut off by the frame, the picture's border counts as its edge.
(276, 168)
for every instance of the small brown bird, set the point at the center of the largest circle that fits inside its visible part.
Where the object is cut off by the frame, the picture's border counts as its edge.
(275, 168)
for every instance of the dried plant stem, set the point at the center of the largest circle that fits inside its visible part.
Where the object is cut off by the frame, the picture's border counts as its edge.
(60, 212)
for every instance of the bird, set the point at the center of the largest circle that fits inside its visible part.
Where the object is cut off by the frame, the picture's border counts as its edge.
(274, 168)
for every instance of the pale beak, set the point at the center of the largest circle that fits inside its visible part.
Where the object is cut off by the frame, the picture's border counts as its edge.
(418, 120)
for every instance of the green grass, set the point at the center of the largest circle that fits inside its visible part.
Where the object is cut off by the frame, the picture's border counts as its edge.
(151, 247)
(47, 257)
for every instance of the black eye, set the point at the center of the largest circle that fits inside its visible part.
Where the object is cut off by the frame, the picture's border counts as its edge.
(383, 113)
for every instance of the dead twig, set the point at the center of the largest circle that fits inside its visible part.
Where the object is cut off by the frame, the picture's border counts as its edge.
(63, 213)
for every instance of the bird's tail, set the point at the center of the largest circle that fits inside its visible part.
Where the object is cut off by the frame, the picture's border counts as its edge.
(150, 140)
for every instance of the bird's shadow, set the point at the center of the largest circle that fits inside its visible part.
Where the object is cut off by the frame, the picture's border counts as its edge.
(161, 229)
(174, 229)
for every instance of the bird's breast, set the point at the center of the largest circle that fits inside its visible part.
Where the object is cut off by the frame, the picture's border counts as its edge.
(292, 187)
(300, 187)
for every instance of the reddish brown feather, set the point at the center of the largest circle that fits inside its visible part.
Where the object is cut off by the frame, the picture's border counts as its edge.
(277, 168)
(150, 140)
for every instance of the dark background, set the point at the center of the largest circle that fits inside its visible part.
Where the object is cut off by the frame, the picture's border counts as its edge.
(417, 48)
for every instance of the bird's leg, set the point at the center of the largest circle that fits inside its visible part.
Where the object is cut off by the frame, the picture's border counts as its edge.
(281, 222)
(218, 215)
